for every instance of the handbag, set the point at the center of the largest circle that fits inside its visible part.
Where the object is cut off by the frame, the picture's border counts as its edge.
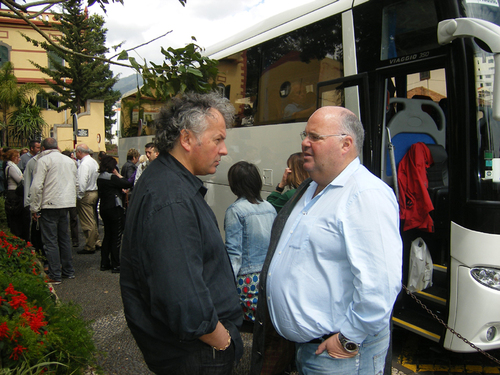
(20, 186)
(20, 190)
(13, 204)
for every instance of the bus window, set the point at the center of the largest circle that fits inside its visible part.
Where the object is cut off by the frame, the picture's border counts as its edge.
(395, 33)
(405, 22)
(483, 178)
(277, 79)
(485, 185)
(332, 95)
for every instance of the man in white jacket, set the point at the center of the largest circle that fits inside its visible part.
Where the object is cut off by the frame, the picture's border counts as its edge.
(53, 193)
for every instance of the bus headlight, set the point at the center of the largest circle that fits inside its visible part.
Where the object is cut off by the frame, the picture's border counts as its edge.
(487, 276)
(491, 333)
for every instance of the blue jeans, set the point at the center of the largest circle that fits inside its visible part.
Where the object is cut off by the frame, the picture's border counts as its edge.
(56, 242)
(369, 360)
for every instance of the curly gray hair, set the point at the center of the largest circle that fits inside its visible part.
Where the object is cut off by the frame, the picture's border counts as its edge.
(189, 112)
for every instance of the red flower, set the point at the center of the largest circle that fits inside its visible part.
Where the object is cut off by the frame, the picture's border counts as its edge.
(18, 301)
(18, 350)
(28, 244)
(34, 317)
(10, 290)
(15, 335)
(4, 329)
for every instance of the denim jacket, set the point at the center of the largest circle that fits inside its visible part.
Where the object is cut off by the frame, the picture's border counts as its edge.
(248, 230)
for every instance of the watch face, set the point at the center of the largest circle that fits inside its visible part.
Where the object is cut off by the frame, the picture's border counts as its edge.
(351, 346)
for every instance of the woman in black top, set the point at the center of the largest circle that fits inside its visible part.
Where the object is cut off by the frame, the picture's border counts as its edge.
(110, 184)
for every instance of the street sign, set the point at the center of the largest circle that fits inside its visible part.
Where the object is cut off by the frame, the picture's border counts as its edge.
(82, 132)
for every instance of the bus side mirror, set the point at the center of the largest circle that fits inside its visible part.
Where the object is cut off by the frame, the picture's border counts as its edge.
(487, 35)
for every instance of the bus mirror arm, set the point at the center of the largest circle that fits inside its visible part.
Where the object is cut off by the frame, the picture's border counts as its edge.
(488, 35)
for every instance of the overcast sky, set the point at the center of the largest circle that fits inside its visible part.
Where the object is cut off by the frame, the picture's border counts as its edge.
(210, 21)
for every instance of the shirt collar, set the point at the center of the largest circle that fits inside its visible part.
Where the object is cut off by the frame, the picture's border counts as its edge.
(340, 180)
(344, 176)
(174, 164)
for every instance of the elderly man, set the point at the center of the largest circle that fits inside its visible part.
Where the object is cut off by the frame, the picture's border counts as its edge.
(87, 198)
(333, 270)
(176, 280)
(52, 194)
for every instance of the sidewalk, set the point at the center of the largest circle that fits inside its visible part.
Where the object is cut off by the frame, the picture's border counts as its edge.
(98, 293)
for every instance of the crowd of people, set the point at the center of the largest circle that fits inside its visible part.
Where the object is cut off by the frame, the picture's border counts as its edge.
(314, 269)
(49, 194)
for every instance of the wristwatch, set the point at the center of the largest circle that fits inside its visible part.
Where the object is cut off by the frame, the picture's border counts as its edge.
(349, 345)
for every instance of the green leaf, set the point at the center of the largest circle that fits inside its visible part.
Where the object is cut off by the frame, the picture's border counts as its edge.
(123, 55)
(195, 72)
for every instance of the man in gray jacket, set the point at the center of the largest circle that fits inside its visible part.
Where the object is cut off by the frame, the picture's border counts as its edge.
(53, 193)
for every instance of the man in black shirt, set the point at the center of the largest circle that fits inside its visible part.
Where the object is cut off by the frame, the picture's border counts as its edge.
(177, 284)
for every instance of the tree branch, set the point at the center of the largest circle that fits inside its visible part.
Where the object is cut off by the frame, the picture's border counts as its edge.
(47, 38)
(143, 44)
(24, 8)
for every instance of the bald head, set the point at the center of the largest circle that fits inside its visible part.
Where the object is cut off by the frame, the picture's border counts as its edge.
(346, 121)
(82, 150)
(334, 138)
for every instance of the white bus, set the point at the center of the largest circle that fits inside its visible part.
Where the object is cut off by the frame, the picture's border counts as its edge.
(414, 71)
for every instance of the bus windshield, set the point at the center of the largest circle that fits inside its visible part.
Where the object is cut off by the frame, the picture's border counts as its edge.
(488, 129)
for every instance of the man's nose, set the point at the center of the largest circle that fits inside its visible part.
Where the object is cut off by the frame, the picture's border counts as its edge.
(223, 149)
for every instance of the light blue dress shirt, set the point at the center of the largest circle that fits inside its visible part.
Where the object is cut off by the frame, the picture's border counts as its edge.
(248, 231)
(337, 266)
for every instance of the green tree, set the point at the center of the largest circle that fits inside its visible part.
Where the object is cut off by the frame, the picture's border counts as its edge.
(26, 122)
(14, 95)
(75, 79)
(183, 69)
(28, 11)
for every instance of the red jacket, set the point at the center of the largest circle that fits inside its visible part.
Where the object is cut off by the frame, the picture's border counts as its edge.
(414, 201)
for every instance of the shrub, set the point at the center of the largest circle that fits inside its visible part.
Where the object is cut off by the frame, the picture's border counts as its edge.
(35, 328)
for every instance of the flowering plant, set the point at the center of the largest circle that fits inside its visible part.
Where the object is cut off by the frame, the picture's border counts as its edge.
(23, 327)
(18, 255)
(35, 328)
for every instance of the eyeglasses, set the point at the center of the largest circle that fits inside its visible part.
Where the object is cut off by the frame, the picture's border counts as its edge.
(317, 137)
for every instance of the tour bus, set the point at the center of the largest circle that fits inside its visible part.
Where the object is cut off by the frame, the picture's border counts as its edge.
(414, 72)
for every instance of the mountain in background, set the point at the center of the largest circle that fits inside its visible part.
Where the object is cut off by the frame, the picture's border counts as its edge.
(128, 83)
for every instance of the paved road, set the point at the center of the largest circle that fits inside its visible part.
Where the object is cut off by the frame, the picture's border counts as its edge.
(98, 293)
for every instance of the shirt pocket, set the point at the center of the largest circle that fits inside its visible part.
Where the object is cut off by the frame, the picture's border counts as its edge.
(316, 239)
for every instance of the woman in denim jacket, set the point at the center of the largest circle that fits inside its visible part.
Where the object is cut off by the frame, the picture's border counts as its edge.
(247, 224)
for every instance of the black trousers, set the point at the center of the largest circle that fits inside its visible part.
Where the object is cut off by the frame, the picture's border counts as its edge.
(18, 216)
(113, 229)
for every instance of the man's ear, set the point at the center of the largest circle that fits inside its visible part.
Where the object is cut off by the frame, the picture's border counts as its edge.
(347, 143)
(186, 139)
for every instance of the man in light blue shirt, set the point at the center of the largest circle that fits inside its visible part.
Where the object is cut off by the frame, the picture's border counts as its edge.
(334, 275)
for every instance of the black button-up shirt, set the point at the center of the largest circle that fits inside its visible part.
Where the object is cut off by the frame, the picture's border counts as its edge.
(176, 279)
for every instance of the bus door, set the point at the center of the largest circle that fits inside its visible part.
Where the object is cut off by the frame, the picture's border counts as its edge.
(414, 162)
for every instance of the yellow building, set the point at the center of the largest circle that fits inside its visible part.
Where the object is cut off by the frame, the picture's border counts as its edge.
(16, 49)
(137, 117)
